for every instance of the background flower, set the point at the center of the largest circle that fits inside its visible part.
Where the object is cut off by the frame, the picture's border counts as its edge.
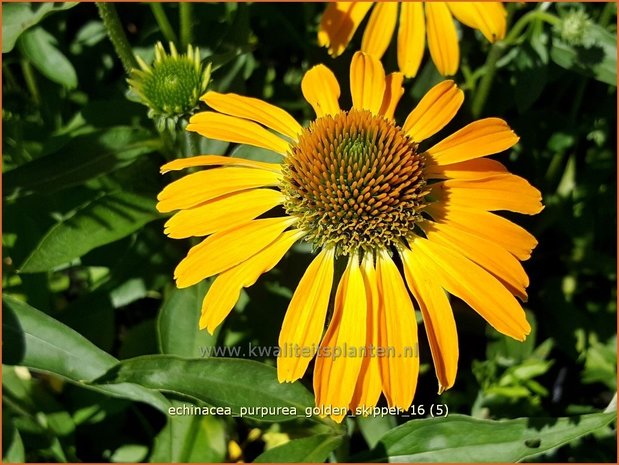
(415, 21)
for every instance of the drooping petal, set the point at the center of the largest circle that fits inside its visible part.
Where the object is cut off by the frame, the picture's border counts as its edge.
(305, 318)
(478, 288)
(255, 110)
(224, 292)
(442, 38)
(321, 90)
(367, 82)
(339, 23)
(486, 225)
(211, 160)
(369, 384)
(202, 186)
(477, 168)
(232, 129)
(379, 29)
(486, 253)
(393, 94)
(336, 371)
(398, 334)
(483, 137)
(411, 38)
(437, 315)
(222, 213)
(487, 17)
(225, 249)
(434, 111)
(500, 192)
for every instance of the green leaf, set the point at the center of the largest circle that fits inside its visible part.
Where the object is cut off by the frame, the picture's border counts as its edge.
(18, 17)
(179, 331)
(530, 75)
(222, 382)
(106, 219)
(601, 364)
(129, 453)
(313, 449)
(374, 427)
(597, 60)
(13, 447)
(190, 439)
(84, 157)
(36, 340)
(39, 47)
(458, 438)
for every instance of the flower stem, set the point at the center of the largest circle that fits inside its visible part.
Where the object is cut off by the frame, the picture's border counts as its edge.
(523, 22)
(606, 15)
(497, 51)
(163, 22)
(486, 83)
(31, 81)
(117, 35)
(185, 19)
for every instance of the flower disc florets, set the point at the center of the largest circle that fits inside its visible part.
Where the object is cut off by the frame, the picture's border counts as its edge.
(355, 182)
(172, 85)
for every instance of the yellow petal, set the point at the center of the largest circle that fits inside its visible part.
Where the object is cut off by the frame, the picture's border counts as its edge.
(225, 249)
(367, 82)
(210, 160)
(397, 333)
(369, 385)
(487, 17)
(321, 90)
(478, 139)
(411, 38)
(337, 370)
(255, 110)
(500, 192)
(222, 213)
(199, 187)
(305, 318)
(393, 93)
(434, 111)
(486, 253)
(225, 290)
(471, 283)
(437, 318)
(339, 23)
(477, 168)
(488, 226)
(442, 38)
(232, 129)
(379, 29)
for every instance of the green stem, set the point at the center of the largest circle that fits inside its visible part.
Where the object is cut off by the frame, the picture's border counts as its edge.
(117, 35)
(31, 81)
(486, 83)
(497, 51)
(163, 22)
(523, 22)
(607, 13)
(185, 13)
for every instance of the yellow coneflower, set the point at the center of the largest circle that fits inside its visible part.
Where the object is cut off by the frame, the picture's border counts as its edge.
(341, 19)
(362, 189)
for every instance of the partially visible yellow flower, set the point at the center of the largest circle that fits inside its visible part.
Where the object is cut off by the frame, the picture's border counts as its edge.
(341, 19)
(366, 191)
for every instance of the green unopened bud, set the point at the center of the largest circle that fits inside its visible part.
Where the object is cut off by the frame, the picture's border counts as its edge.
(573, 28)
(172, 85)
